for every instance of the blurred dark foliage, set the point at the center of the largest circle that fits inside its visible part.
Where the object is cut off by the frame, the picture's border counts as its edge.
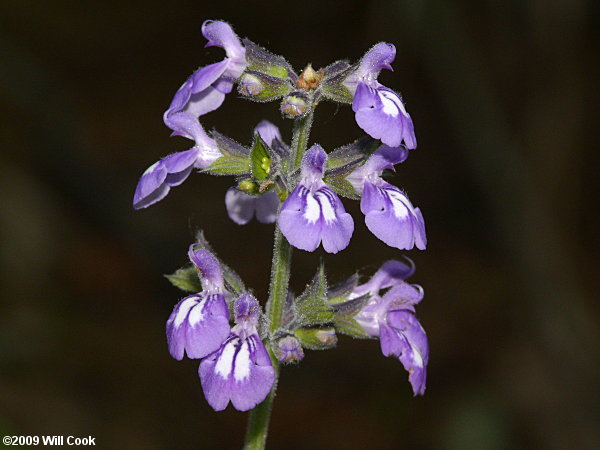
(502, 96)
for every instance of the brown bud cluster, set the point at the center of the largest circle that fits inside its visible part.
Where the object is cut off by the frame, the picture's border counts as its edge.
(309, 79)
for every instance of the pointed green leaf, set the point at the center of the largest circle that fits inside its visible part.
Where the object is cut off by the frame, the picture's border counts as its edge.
(185, 279)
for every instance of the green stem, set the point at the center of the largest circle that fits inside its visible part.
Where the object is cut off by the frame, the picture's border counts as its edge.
(301, 133)
(258, 422)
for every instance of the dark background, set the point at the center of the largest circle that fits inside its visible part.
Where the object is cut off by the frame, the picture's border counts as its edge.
(502, 97)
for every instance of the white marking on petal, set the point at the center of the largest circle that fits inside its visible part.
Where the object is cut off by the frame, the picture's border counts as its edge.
(197, 312)
(151, 168)
(398, 203)
(391, 103)
(242, 363)
(224, 363)
(417, 358)
(312, 211)
(183, 311)
(326, 207)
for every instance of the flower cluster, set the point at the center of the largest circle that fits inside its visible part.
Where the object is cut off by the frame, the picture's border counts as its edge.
(313, 213)
(235, 364)
(299, 188)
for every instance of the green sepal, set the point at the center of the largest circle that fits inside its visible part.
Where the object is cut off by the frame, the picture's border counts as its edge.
(337, 93)
(344, 316)
(348, 326)
(332, 87)
(339, 293)
(312, 306)
(342, 161)
(316, 338)
(342, 187)
(269, 87)
(261, 60)
(235, 159)
(186, 279)
(261, 160)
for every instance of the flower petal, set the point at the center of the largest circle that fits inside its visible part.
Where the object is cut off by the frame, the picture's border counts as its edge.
(209, 269)
(220, 34)
(337, 224)
(268, 132)
(404, 296)
(266, 207)
(240, 206)
(313, 164)
(391, 273)
(299, 220)
(307, 218)
(381, 113)
(239, 372)
(380, 56)
(390, 216)
(157, 180)
(415, 351)
(198, 325)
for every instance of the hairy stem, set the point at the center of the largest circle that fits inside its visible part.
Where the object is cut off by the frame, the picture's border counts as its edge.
(300, 141)
(258, 422)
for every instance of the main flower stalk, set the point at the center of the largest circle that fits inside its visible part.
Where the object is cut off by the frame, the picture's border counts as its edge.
(258, 422)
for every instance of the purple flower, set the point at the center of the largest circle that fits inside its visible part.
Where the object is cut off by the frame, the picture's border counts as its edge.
(379, 111)
(156, 182)
(199, 323)
(289, 350)
(241, 207)
(391, 317)
(389, 214)
(240, 370)
(204, 91)
(313, 213)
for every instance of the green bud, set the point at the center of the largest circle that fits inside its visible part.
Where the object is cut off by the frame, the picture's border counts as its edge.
(316, 338)
(248, 186)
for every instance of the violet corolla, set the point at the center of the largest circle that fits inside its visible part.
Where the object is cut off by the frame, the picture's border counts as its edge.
(379, 110)
(172, 170)
(389, 214)
(200, 323)
(240, 371)
(391, 317)
(313, 213)
(204, 91)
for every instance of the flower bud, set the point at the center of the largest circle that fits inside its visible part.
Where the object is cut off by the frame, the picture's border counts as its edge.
(293, 106)
(289, 350)
(248, 186)
(250, 85)
(316, 338)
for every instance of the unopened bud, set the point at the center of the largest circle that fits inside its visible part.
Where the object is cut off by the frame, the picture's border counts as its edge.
(309, 79)
(316, 338)
(250, 85)
(248, 186)
(293, 106)
(289, 350)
